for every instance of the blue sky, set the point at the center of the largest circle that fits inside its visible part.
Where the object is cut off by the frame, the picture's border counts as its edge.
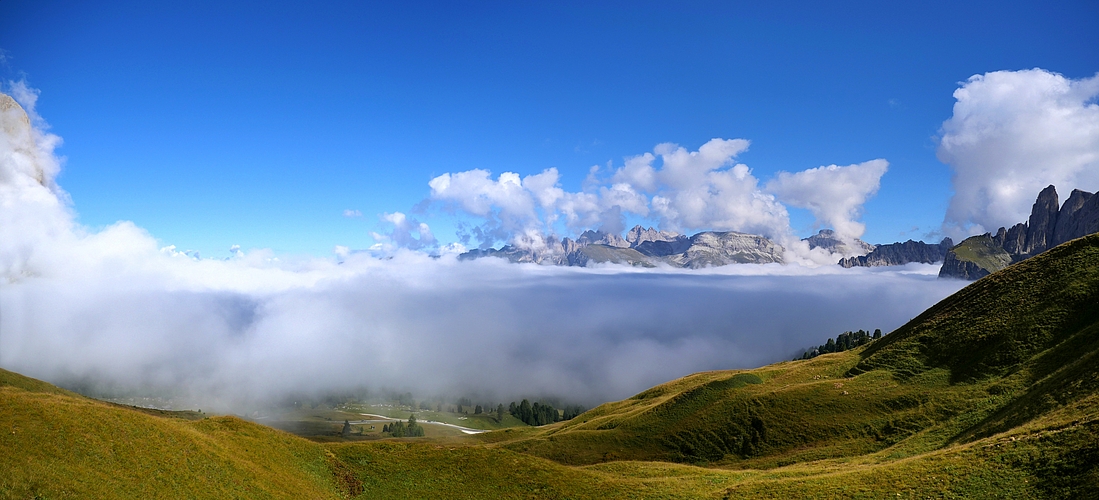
(259, 124)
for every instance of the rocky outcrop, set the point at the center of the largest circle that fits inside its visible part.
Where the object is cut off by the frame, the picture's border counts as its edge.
(828, 240)
(957, 268)
(712, 249)
(16, 127)
(664, 248)
(975, 257)
(1079, 217)
(590, 237)
(1013, 240)
(638, 235)
(1047, 227)
(1043, 221)
(898, 254)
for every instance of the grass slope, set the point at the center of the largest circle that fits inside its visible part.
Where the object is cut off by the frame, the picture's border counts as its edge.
(983, 252)
(1011, 350)
(60, 445)
(990, 393)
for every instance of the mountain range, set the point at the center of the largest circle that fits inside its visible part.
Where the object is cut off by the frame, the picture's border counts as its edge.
(647, 248)
(975, 257)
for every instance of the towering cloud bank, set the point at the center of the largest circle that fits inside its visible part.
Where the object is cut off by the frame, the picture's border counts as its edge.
(835, 195)
(1012, 134)
(682, 190)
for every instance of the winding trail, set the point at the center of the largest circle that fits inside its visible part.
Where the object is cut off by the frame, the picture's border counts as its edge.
(384, 419)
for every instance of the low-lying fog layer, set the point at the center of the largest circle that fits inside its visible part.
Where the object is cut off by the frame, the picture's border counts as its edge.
(436, 326)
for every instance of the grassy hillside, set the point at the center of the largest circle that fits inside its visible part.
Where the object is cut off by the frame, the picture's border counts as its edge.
(60, 445)
(993, 392)
(983, 252)
(1012, 350)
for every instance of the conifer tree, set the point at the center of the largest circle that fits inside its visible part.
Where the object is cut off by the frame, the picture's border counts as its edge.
(526, 414)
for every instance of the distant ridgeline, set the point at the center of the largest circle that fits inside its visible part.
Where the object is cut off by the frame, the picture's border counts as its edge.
(843, 342)
(899, 254)
(975, 257)
(645, 248)
(542, 414)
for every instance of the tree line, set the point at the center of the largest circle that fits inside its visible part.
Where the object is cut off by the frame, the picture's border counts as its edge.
(540, 413)
(843, 342)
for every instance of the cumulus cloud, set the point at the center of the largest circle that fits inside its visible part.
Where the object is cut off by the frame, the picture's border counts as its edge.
(34, 212)
(706, 189)
(1013, 133)
(114, 308)
(405, 233)
(680, 190)
(835, 195)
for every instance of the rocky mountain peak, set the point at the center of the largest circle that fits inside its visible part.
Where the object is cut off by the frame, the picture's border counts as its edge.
(829, 240)
(16, 128)
(1073, 216)
(639, 235)
(1043, 221)
(590, 237)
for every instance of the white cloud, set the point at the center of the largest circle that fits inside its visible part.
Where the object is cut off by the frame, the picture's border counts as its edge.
(835, 195)
(352, 213)
(706, 189)
(682, 190)
(638, 171)
(1013, 133)
(406, 233)
(34, 212)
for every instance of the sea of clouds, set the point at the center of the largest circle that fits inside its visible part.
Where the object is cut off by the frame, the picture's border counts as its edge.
(114, 308)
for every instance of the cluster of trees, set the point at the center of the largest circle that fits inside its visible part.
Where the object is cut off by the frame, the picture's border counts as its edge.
(400, 429)
(571, 411)
(843, 342)
(538, 413)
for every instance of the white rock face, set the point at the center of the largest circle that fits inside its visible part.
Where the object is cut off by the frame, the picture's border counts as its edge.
(17, 148)
(590, 237)
(639, 235)
(711, 249)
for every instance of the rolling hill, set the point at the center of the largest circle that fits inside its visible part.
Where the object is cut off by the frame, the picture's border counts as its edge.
(992, 392)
